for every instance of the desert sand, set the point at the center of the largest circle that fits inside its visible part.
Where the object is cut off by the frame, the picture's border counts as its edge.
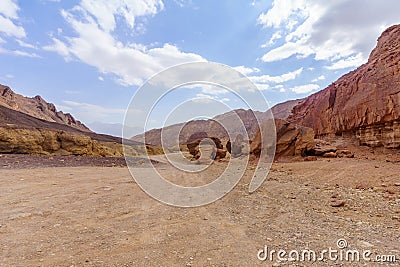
(98, 216)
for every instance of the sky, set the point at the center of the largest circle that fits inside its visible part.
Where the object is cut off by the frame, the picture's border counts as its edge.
(89, 57)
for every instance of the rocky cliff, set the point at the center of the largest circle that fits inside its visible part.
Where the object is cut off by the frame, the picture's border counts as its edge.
(364, 103)
(37, 107)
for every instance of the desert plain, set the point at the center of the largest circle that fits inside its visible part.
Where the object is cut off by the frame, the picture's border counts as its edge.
(96, 215)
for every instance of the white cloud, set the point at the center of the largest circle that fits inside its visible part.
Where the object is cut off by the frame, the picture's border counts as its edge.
(353, 61)
(183, 3)
(303, 89)
(131, 63)
(319, 78)
(90, 112)
(206, 89)
(101, 78)
(213, 90)
(276, 79)
(8, 27)
(8, 16)
(245, 70)
(208, 99)
(60, 48)
(203, 98)
(9, 9)
(340, 32)
(283, 13)
(26, 45)
(281, 88)
(263, 86)
(105, 11)
(24, 53)
(18, 53)
(276, 36)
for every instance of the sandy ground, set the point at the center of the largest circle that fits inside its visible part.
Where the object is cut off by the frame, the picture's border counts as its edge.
(98, 216)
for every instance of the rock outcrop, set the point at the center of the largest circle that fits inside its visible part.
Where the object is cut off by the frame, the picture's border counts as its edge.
(53, 142)
(37, 107)
(202, 147)
(364, 103)
(23, 134)
(291, 139)
(247, 125)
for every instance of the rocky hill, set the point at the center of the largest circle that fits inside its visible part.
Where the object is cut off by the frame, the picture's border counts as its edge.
(250, 120)
(364, 103)
(213, 127)
(33, 126)
(37, 107)
(284, 110)
(24, 134)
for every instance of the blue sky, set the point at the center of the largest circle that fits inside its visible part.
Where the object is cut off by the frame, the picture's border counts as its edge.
(90, 56)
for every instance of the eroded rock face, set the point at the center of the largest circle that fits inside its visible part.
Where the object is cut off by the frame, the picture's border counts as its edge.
(387, 135)
(291, 139)
(52, 142)
(365, 101)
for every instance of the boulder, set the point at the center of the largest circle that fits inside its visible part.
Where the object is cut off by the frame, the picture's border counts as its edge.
(206, 148)
(322, 147)
(291, 139)
(329, 155)
(344, 153)
(220, 153)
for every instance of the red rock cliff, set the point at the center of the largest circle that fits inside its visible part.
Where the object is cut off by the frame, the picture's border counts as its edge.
(365, 102)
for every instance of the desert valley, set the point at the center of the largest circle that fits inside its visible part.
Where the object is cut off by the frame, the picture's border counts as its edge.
(67, 197)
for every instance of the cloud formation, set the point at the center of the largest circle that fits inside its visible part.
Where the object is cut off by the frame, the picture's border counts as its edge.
(8, 17)
(339, 32)
(131, 63)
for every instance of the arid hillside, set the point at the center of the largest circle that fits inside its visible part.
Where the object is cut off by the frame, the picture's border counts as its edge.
(37, 107)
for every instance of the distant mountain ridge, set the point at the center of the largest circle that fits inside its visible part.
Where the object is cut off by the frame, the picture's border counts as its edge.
(37, 107)
(246, 125)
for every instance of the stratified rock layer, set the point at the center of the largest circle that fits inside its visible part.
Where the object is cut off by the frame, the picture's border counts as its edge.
(365, 102)
(54, 142)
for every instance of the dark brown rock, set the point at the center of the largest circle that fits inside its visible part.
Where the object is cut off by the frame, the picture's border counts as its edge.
(206, 148)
